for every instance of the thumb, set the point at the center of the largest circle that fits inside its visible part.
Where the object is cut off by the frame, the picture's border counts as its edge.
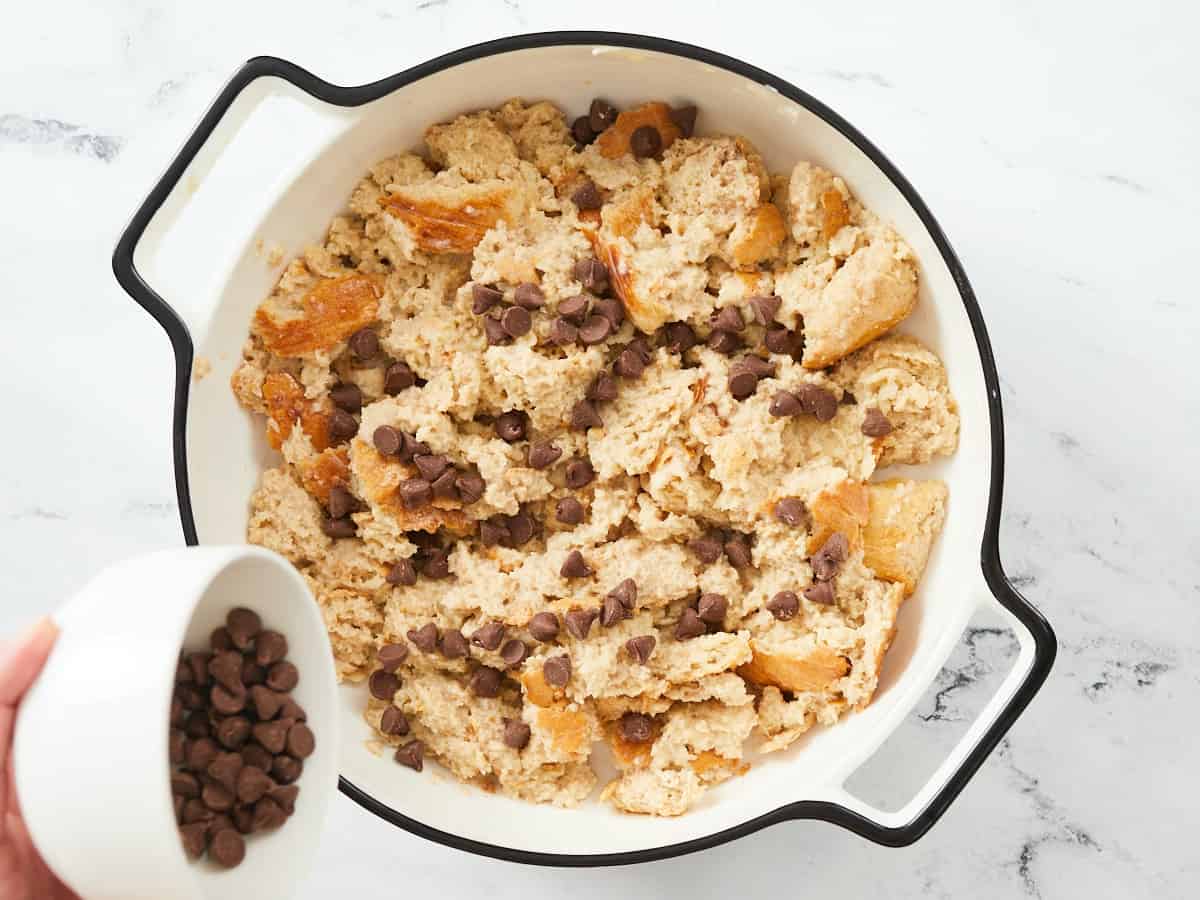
(23, 658)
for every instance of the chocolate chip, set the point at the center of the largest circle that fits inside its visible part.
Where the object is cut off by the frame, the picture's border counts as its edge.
(595, 330)
(285, 797)
(454, 645)
(382, 684)
(341, 502)
(300, 741)
(848, 399)
(829, 558)
(792, 511)
(542, 454)
(225, 701)
(364, 344)
(723, 342)
(444, 486)
(265, 702)
(625, 593)
(543, 627)
(398, 377)
(393, 722)
(601, 114)
(285, 769)
(516, 734)
(492, 533)
(645, 141)
(415, 493)
(485, 682)
(216, 796)
(563, 333)
(194, 811)
(784, 605)
(529, 296)
(737, 551)
(185, 784)
(712, 608)
(765, 307)
(513, 653)
(339, 528)
(198, 663)
(521, 528)
(575, 309)
(728, 319)
(602, 388)
(273, 735)
(587, 195)
(585, 416)
(760, 367)
(437, 564)
(581, 130)
(557, 670)
(403, 573)
(875, 423)
(684, 118)
(256, 755)
(269, 648)
(387, 440)
(252, 783)
(707, 548)
(778, 339)
(292, 710)
(470, 487)
(742, 384)
(346, 396)
(511, 426)
(785, 403)
(411, 754)
(579, 473)
(484, 298)
(640, 648)
(283, 676)
(243, 626)
(821, 592)
(342, 426)
(678, 337)
(629, 365)
(574, 566)
(494, 332)
(227, 849)
(220, 639)
(612, 611)
(431, 465)
(579, 622)
(636, 728)
(233, 732)
(189, 697)
(197, 726)
(195, 838)
(176, 746)
(817, 401)
(569, 511)
(689, 625)
(612, 309)
(488, 636)
(592, 274)
(252, 672)
(516, 321)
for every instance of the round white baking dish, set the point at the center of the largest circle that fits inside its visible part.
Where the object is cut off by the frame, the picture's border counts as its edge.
(277, 156)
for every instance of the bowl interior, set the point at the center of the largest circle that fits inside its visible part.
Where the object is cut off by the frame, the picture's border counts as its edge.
(292, 167)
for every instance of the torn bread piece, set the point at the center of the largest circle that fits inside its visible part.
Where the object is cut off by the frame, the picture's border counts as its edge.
(905, 519)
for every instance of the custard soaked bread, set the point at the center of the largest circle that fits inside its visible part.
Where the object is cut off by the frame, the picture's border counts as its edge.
(577, 427)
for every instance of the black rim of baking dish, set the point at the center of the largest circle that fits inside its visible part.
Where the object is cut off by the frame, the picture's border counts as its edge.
(1044, 640)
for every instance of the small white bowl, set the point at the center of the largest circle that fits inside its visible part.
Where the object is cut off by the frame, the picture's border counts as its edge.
(90, 751)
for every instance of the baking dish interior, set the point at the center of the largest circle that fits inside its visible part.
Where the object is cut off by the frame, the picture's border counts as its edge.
(293, 165)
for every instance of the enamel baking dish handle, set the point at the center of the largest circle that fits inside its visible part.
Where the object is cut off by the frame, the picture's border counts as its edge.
(909, 823)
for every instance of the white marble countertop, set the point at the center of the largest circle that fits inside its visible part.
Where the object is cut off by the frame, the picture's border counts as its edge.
(1056, 144)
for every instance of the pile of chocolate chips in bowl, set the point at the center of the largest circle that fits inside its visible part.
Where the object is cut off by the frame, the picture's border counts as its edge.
(238, 740)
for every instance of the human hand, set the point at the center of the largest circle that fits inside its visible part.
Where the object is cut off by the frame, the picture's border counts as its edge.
(24, 875)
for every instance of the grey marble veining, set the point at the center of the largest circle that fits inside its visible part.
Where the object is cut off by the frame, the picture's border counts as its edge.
(1055, 142)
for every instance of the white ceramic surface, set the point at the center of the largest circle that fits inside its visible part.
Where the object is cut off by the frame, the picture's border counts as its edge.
(90, 754)
(280, 164)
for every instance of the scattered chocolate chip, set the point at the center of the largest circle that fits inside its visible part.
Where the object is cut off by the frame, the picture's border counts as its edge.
(641, 347)
(784, 605)
(382, 684)
(364, 344)
(612, 611)
(563, 333)
(636, 728)
(403, 573)
(543, 626)
(764, 308)
(602, 388)
(829, 558)
(339, 528)
(342, 426)
(485, 682)
(243, 626)
(587, 196)
(574, 566)
(760, 367)
(612, 309)
(412, 755)
(737, 551)
(431, 465)
(848, 399)
(595, 330)
(227, 702)
(585, 416)
(625, 593)
(470, 487)
(785, 403)
(778, 339)
(393, 721)
(398, 377)
(484, 298)
(415, 493)
(521, 528)
(689, 625)
(707, 548)
(601, 114)
(723, 342)
(792, 511)
(513, 653)
(575, 309)
(445, 486)
(195, 838)
(712, 608)
(437, 564)
(821, 592)
(233, 732)
(388, 440)
(592, 274)
(629, 365)
(875, 423)
(341, 502)
(684, 118)
(581, 130)
(453, 644)
(645, 141)
(492, 533)
(579, 622)
(557, 670)
(542, 454)
(728, 319)
(678, 337)
(346, 396)
(511, 426)
(516, 734)
(516, 321)
(529, 296)
(579, 473)
(817, 401)
(227, 848)
(494, 332)
(640, 648)
(742, 384)
(569, 511)
(488, 636)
